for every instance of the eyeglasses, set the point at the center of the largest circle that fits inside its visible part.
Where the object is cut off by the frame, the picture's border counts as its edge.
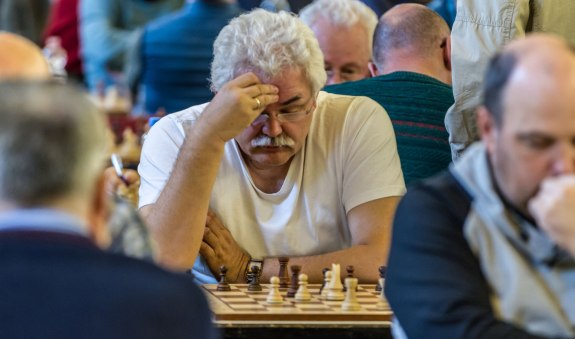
(284, 117)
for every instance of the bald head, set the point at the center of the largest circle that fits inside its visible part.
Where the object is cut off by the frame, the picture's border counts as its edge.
(20, 58)
(526, 69)
(409, 32)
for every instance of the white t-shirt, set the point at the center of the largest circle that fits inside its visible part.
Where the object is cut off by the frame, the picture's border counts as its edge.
(349, 158)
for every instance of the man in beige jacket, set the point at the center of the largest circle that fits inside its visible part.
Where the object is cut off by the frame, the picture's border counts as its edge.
(480, 29)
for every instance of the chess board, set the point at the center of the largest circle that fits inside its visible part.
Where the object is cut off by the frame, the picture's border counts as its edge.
(239, 304)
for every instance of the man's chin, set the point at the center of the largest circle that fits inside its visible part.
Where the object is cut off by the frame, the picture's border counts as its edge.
(272, 157)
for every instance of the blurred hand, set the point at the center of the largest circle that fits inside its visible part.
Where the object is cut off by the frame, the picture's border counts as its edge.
(235, 106)
(554, 210)
(219, 248)
(127, 190)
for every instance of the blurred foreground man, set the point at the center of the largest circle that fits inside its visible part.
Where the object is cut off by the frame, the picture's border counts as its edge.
(56, 281)
(474, 261)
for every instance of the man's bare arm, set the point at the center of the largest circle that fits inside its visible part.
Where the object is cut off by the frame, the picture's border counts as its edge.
(370, 226)
(178, 217)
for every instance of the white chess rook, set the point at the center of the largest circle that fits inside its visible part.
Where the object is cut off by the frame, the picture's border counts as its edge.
(335, 287)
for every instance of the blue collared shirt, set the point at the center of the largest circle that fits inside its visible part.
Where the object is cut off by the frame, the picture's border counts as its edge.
(41, 219)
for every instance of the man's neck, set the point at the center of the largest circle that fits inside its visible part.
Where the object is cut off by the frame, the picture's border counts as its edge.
(416, 66)
(269, 179)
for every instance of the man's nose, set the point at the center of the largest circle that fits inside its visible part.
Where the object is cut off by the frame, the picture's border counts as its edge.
(565, 160)
(272, 127)
(335, 78)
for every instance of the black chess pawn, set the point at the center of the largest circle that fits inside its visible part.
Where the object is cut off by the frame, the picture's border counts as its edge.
(382, 270)
(254, 279)
(223, 283)
(323, 279)
(294, 284)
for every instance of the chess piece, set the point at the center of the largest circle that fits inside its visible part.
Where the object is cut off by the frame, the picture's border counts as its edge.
(254, 279)
(130, 148)
(294, 279)
(223, 283)
(382, 302)
(351, 303)
(326, 280)
(302, 293)
(335, 288)
(349, 269)
(283, 273)
(274, 297)
(323, 283)
(382, 270)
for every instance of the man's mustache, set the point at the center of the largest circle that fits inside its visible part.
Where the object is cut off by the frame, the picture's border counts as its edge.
(266, 141)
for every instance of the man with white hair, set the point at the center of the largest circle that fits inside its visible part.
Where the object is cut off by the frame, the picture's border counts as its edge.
(283, 168)
(344, 29)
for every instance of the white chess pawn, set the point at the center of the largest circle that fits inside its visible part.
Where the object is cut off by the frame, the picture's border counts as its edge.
(274, 296)
(335, 288)
(350, 303)
(326, 281)
(302, 293)
(382, 302)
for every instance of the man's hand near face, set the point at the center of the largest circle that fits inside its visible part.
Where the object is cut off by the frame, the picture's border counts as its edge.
(237, 105)
(177, 219)
(219, 248)
(554, 210)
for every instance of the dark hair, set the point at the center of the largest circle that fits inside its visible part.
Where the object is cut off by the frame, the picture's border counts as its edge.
(497, 75)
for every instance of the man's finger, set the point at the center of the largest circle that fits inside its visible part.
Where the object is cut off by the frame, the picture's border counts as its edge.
(210, 237)
(207, 251)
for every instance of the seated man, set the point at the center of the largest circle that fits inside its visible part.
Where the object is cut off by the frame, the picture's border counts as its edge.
(286, 170)
(412, 76)
(344, 29)
(471, 262)
(55, 280)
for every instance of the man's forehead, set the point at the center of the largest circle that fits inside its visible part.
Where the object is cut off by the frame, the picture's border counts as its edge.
(291, 82)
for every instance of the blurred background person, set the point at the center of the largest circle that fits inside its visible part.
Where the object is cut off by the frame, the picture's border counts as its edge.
(63, 23)
(412, 81)
(24, 17)
(106, 29)
(169, 64)
(344, 29)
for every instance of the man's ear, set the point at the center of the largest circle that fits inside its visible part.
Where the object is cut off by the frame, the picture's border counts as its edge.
(373, 69)
(487, 128)
(99, 213)
(447, 53)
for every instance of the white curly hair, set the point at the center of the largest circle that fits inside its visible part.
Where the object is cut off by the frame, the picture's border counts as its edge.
(266, 43)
